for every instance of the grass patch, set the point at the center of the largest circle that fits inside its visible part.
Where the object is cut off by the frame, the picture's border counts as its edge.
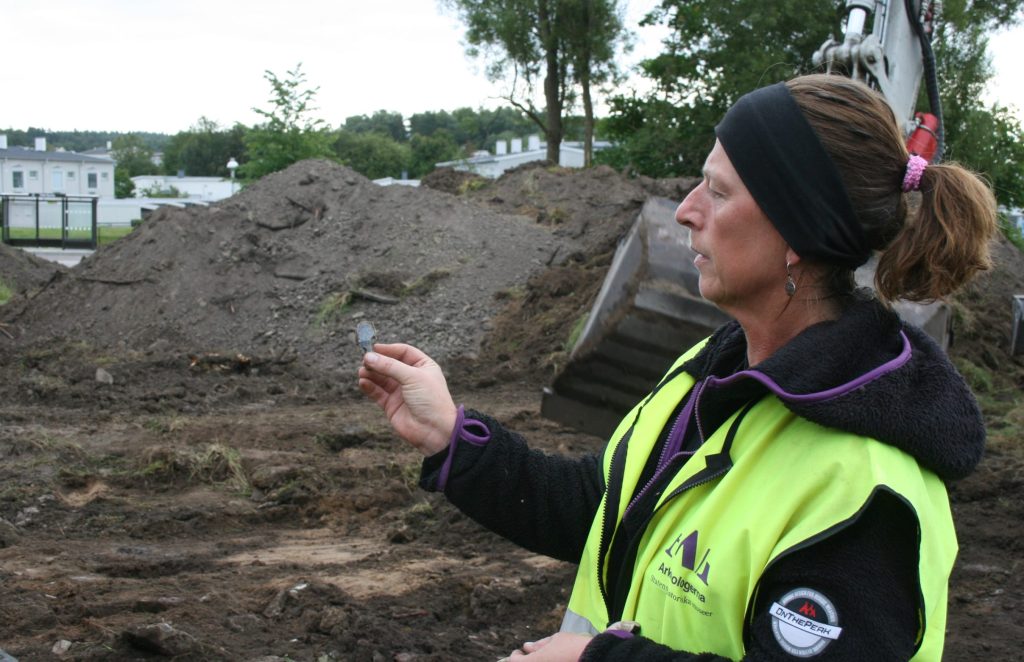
(105, 234)
(111, 233)
(214, 464)
(333, 307)
(221, 464)
(425, 282)
(1006, 430)
(514, 293)
(165, 425)
(5, 292)
(978, 378)
(576, 332)
(473, 184)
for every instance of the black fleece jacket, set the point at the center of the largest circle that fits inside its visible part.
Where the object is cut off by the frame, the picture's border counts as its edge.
(868, 571)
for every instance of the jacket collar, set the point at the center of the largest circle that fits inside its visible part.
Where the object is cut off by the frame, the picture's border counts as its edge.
(865, 373)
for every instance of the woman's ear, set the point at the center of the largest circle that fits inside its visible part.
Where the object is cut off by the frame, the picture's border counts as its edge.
(792, 258)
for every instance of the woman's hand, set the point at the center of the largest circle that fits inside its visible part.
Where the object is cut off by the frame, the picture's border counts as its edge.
(560, 647)
(410, 387)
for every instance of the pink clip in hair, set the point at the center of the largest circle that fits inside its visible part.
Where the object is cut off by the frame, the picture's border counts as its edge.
(915, 168)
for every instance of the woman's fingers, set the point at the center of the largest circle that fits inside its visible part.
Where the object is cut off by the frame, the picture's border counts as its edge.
(373, 391)
(401, 372)
(407, 354)
(381, 380)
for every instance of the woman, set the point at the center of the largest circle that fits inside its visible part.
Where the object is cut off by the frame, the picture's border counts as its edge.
(779, 495)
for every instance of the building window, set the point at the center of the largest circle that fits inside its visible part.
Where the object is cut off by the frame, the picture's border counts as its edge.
(106, 176)
(33, 174)
(71, 174)
(92, 180)
(18, 179)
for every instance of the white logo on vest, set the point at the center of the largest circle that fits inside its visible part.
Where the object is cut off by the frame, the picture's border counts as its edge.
(804, 622)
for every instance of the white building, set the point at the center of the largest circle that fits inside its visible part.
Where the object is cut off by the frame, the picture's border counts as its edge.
(26, 171)
(510, 154)
(207, 189)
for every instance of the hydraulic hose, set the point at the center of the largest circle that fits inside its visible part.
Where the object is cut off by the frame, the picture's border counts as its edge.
(931, 80)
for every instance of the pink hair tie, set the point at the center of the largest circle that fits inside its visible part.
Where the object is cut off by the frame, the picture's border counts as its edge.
(915, 168)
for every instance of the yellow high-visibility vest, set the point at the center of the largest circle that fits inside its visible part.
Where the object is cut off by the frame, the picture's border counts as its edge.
(790, 483)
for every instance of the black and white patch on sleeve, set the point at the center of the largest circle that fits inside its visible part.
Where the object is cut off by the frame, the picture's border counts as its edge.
(804, 622)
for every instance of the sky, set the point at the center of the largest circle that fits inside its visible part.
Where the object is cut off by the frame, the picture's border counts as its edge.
(142, 65)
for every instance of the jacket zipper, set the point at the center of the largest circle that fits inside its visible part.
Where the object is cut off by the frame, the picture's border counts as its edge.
(695, 481)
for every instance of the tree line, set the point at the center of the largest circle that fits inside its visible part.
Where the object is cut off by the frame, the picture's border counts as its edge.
(383, 144)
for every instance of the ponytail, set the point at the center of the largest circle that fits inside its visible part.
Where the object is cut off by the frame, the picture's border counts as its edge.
(944, 241)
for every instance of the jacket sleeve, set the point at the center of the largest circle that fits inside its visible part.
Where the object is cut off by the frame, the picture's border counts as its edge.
(868, 573)
(542, 502)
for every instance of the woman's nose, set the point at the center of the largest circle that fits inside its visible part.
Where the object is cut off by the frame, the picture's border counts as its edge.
(686, 212)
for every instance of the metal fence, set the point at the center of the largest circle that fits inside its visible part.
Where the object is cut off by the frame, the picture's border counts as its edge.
(54, 221)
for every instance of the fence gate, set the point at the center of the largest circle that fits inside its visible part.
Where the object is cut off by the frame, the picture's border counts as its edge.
(50, 221)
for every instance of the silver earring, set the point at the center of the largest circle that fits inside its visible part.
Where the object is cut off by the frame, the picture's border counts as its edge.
(790, 283)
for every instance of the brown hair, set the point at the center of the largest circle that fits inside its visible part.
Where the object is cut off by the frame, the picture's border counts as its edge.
(931, 243)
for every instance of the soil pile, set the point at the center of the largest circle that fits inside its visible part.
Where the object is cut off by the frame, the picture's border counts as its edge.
(273, 281)
(289, 265)
(983, 323)
(25, 273)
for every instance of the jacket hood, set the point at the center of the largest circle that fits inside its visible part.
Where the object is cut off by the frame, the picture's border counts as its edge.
(867, 373)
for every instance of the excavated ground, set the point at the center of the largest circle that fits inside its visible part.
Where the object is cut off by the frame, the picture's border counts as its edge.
(188, 470)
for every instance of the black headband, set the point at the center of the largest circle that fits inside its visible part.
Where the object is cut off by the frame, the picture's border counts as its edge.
(791, 177)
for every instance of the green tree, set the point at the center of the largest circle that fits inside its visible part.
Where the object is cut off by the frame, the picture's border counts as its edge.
(289, 133)
(428, 150)
(133, 156)
(715, 52)
(719, 51)
(372, 154)
(428, 122)
(988, 139)
(124, 187)
(594, 33)
(79, 141)
(204, 149)
(541, 41)
(472, 129)
(383, 122)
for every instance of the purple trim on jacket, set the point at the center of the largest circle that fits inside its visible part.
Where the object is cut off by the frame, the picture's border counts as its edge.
(679, 427)
(827, 394)
(466, 429)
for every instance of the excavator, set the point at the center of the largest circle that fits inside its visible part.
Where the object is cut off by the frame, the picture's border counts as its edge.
(649, 306)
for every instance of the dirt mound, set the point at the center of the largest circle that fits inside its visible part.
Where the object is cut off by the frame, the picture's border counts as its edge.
(290, 264)
(23, 272)
(984, 320)
(593, 209)
(187, 309)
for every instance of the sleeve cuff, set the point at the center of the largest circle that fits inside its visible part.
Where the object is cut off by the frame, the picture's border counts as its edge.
(602, 644)
(469, 430)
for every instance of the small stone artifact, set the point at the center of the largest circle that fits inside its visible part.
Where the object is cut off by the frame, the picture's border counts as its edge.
(366, 335)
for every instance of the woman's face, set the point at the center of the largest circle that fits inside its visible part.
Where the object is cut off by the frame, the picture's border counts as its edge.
(740, 256)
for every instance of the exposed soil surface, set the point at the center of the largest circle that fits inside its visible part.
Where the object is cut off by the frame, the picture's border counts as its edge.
(188, 470)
